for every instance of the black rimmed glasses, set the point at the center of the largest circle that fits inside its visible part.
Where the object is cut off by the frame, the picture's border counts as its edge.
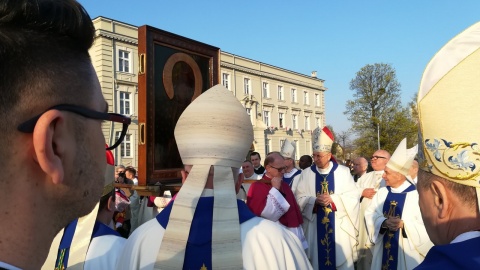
(29, 125)
(281, 169)
(377, 157)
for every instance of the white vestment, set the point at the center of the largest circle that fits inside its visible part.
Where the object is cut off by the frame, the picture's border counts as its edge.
(242, 193)
(265, 245)
(411, 250)
(146, 212)
(346, 200)
(369, 180)
(103, 252)
(294, 182)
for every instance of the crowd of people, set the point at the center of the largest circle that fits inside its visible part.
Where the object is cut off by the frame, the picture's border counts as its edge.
(418, 208)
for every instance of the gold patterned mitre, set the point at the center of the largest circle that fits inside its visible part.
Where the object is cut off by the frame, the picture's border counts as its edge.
(288, 149)
(322, 140)
(448, 104)
(214, 130)
(402, 159)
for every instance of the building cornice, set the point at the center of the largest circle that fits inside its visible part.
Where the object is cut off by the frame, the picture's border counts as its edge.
(270, 76)
(115, 36)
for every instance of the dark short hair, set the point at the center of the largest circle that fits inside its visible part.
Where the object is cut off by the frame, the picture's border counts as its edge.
(44, 59)
(310, 159)
(131, 170)
(256, 153)
(249, 161)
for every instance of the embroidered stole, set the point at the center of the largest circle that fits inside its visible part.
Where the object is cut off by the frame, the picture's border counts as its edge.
(289, 180)
(198, 252)
(393, 204)
(325, 220)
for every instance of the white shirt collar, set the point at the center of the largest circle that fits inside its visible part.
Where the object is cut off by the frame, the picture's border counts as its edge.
(289, 174)
(465, 236)
(401, 188)
(8, 266)
(327, 170)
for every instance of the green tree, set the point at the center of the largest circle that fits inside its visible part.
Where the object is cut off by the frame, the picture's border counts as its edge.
(376, 110)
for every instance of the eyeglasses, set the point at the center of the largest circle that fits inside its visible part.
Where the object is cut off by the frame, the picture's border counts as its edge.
(29, 125)
(279, 169)
(377, 157)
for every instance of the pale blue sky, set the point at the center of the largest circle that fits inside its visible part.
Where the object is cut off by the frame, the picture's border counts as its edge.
(335, 38)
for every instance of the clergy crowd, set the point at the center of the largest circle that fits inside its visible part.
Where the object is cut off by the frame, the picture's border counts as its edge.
(418, 208)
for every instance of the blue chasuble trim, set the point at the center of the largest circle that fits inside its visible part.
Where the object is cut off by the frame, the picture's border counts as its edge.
(393, 205)
(64, 247)
(290, 179)
(325, 221)
(199, 244)
(101, 229)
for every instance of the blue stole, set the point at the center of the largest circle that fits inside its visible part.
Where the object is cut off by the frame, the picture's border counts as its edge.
(461, 255)
(290, 179)
(325, 220)
(394, 205)
(99, 229)
(199, 245)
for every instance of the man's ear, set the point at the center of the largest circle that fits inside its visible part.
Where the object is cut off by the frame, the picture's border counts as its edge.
(441, 199)
(50, 142)
(111, 204)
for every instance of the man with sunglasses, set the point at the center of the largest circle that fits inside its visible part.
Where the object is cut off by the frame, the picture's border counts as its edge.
(329, 201)
(52, 144)
(273, 199)
(367, 186)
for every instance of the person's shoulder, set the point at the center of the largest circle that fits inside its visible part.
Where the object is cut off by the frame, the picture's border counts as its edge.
(260, 227)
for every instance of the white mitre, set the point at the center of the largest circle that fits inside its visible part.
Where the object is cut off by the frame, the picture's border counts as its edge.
(322, 140)
(214, 130)
(448, 104)
(288, 149)
(402, 159)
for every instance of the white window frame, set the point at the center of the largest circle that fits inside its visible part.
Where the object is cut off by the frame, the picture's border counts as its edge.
(268, 145)
(317, 120)
(247, 86)
(305, 98)
(317, 100)
(294, 121)
(294, 95)
(266, 118)
(297, 150)
(280, 92)
(266, 89)
(122, 101)
(281, 120)
(307, 122)
(120, 50)
(126, 144)
(226, 80)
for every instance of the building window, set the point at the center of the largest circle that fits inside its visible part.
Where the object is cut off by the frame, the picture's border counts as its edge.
(226, 80)
(305, 98)
(268, 145)
(124, 61)
(125, 146)
(294, 121)
(308, 148)
(249, 112)
(125, 101)
(307, 122)
(246, 86)
(280, 120)
(294, 95)
(317, 120)
(266, 90)
(317, 100)
(281, 144)
(280, 93)
(297, 152)
(266, 118)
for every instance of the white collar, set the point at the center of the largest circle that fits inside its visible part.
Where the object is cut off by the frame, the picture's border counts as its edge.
(327, 170)
(8, 266)
(289, 174)
(401, 188)
(466, 236)
(207, 192)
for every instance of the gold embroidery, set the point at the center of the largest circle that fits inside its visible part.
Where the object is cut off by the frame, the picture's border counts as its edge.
(326, 241)
(388, 245)
(61, 256)
(203, 267)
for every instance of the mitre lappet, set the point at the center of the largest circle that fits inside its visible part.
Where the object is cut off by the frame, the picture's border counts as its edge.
(448, 104)
(213, 131)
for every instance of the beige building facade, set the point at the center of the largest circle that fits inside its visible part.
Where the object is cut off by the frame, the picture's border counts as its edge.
(281, 103)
